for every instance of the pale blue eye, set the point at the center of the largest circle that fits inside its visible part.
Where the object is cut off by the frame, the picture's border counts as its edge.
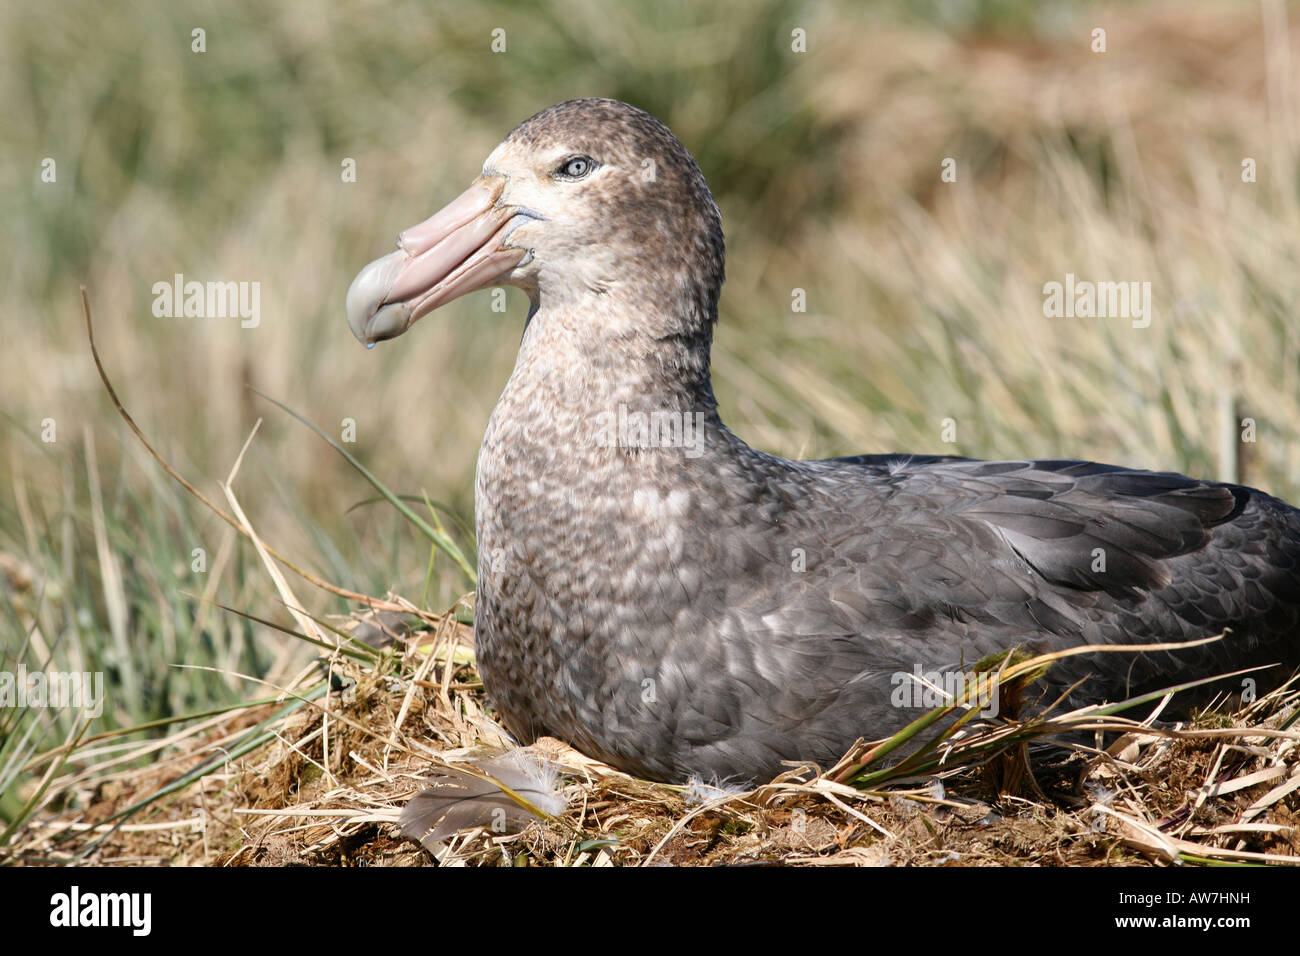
(576, 167)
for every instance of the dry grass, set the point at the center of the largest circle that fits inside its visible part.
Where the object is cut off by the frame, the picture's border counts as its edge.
(327, 785)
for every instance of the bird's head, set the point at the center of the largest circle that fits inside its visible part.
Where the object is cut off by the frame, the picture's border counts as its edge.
(588, 201)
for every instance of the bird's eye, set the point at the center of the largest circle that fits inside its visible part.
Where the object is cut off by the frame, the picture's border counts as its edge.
(576, 167)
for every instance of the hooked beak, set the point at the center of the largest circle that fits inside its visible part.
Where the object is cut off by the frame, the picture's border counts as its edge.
(457, 250)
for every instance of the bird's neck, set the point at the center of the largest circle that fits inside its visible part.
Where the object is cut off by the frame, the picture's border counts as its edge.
(589, 410)
(597, 356)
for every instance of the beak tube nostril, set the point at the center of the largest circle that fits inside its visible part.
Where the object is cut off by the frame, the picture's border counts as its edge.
(465, 208)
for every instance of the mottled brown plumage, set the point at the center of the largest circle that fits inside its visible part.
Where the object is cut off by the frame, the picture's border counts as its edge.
(709, 609)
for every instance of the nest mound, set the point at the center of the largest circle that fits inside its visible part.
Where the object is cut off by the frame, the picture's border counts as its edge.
(320, 777)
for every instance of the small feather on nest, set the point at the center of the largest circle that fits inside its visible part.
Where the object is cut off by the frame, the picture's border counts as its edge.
(503, 793)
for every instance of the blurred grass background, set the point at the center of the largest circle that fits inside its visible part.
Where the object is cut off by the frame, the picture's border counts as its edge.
(924, 298)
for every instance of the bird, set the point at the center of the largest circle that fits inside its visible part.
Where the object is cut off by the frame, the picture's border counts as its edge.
(667, 599)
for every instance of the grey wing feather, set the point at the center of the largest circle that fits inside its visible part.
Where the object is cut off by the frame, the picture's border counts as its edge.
(458, 800)
(1088, 553)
